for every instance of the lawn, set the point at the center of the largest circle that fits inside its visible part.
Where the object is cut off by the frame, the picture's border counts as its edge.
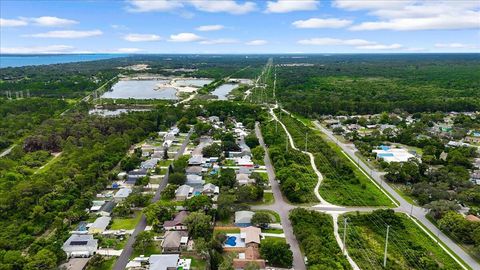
(197, 263)
(217, 230)
(409, 247)
(154, 249)
(274, 215)
(126, 223)
(107, 264)
(267, 199)
(276, 231)
(165, 163)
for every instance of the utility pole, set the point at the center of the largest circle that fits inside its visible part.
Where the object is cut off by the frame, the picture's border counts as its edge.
(345, 236)
(276, 127)
(411, 209)
(386, 245)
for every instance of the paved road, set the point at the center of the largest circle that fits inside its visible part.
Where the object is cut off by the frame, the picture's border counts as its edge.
(418, 212)
(281, 207)
(123, 259)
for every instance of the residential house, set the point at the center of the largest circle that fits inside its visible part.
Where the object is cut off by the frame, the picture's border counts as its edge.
(244, 179)
(195, 160)
(243, 218)
(244, 161)
(210, 189)
(96, 205)
(174, 241)
(183, 192)
(176, 224)
(121, 194)
(107, 208)
(163, 262)
(197, 170)
(99, 225)
(150, 163)
(194, 180)
(80, 245)
(251, 237)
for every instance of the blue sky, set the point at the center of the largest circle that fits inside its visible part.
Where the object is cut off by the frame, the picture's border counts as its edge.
(237, 26)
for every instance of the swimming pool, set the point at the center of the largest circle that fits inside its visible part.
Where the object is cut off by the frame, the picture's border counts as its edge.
(231, 241)
(234, 240)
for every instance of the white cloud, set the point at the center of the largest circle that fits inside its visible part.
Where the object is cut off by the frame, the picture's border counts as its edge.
(128, 50)
(256, 42)
(141, 37)
(380, 47)
(229, 6)
(185, 37)
(51, 21)
(67, 34)
(36, 49)
(415, 15)
(321, 23)
(218, 41)
(12, 22)
(356, 43)
(284, 6)
(370, 4)
(157, 5)
(455, 46)
(335, 41)
(213, 27)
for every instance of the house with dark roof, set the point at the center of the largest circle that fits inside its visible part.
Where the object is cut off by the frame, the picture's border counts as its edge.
(174, 241)
(107, 208)
(176, 224)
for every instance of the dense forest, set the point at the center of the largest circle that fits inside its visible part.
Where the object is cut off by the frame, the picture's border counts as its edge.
(376, 83)
(19, 117)
(314, 231)
(39, 204)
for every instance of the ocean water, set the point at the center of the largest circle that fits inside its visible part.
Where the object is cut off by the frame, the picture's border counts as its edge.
(11, 60)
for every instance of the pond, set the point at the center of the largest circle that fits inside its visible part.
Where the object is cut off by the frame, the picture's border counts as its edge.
(141, 89)
(223, 90)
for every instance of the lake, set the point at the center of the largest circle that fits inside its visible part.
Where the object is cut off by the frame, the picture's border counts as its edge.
(223, 90)
(10, 60)
(140, 89)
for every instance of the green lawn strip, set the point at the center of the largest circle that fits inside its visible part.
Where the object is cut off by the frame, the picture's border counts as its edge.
(218, 230)
(409, 246)
(154, 249)
(126, 223)
(275, 231)
(277, 239)
(165, 163)
(107, 264)
(197, 263)
(314, 232)
(274, 215)
(267, 199)
(343, 183)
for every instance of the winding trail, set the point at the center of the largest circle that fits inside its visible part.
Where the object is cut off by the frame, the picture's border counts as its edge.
(331, 209)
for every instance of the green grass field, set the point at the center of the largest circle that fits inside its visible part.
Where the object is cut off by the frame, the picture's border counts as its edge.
(408, 247)
(125, 223)
(343, 183)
